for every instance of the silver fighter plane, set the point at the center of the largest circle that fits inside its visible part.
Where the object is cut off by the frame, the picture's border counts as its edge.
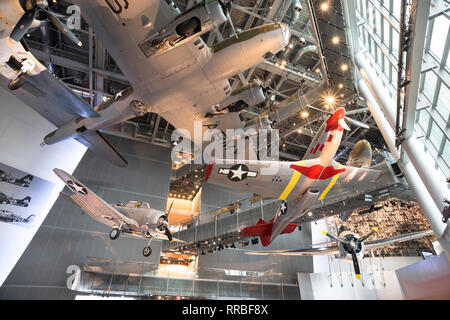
(348, 245)
(171, 70)
(134, 218)
(298, 184)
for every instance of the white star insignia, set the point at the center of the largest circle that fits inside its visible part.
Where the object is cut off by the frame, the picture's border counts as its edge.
(238, 173)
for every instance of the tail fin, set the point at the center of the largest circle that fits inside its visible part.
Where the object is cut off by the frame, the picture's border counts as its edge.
(97, 143)
(263, 229)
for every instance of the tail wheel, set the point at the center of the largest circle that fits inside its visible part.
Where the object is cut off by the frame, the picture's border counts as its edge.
(444, 219)
(114, 234)
(147, 251)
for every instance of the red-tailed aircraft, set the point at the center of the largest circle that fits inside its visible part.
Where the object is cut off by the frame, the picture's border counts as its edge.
(298, 184)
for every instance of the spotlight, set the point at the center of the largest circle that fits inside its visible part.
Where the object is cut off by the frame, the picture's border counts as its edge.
(341, 85)
(330, 99)
(335, 40)
(304, 114)
(344, 67)
(324, 6)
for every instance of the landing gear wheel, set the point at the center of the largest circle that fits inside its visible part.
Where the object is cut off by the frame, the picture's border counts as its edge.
(114, 234)
(147, 251)
(17, 82)
(300, 228)
(444, 219)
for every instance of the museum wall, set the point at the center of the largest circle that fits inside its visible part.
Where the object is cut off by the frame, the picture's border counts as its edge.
(336, 286)
(68, 237)
(427, 279)
(21, 132)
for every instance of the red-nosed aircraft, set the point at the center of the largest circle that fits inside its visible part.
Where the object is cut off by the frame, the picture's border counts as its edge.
(298, 184)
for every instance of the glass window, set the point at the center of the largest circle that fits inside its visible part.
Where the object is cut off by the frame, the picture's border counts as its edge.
(424, 118)
(397, 8)
(386, 32)
(386, 65)
(378, 22)
(446, 153)
(440, 28)
(371, 17)
(436, 135)
(395, 40)
(443, 104)
(429, 86)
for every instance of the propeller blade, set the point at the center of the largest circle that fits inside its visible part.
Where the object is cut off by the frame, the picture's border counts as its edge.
(332, 236)
(170, 208)
(356, 266)
(63, 28)
(167, 233)
(357, 123)
(368, 235)
(343, 124)
(23, 25)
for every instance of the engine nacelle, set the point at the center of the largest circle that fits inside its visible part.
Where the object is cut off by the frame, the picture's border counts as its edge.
(249, 95)
(343, 248)
(185, 27)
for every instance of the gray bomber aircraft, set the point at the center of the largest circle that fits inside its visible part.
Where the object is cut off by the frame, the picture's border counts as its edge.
(349, 246)
(298, 184)
(134, 218)
(171, 70)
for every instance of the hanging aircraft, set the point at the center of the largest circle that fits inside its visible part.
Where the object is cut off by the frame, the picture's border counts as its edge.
(349, 246)
(4, 199)
(134, 218)
(298, 184)
(23, 182)
(171, 70)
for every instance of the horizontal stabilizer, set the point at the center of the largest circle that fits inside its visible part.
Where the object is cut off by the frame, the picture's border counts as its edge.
(263, 229)
(97, 143)
(289, 228)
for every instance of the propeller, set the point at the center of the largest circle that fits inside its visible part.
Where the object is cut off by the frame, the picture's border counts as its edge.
(226, 10)
(165, 226)
(39, 8)
(351, 245)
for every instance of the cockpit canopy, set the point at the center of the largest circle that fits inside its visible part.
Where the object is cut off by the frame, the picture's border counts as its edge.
(137, 204)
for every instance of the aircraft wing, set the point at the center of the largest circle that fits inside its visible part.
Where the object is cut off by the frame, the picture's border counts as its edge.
(298, 252)
(161, 236)
(352, 180)
(287, 182)
(334, 248)
(267, 178)
(43, 92)
(97, 143)
(96, 207)
(401, 238)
